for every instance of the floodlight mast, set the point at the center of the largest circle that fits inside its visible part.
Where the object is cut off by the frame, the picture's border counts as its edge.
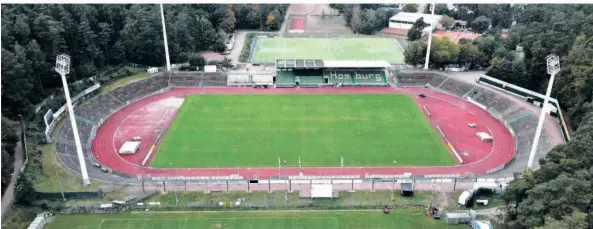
(429, 41)
(553, 66)
(165, 39)
(63, 68)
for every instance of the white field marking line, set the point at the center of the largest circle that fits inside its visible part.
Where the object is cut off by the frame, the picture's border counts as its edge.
(255, 211)
(144, 224)
(130, 219)
(119, 125)
(184, 223)
(99, 226)
(489, 130)
(336, 220)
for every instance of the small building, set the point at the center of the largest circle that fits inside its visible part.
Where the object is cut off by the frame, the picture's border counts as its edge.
(210, 68)
(405, 20)
(152, 70)
(457, 218)
(324, 191)
(407, 189)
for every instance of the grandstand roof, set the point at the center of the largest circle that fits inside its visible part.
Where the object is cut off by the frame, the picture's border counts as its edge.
(355, 64)
(299, 63)
(306, 63)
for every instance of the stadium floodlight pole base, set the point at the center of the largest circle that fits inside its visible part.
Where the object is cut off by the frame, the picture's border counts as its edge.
(63, 68)
(553, 66)
(429, 42)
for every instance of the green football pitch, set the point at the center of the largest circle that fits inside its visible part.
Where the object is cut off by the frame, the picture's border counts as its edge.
(397, 219)
(212, 131)
(267, 50)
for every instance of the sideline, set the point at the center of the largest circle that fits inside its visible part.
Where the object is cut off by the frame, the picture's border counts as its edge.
(256, 211)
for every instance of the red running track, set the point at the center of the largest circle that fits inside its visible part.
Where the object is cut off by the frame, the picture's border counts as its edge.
(449, 112)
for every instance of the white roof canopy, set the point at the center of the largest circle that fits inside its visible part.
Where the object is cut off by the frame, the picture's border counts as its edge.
(321, 191)
(412, 17)
(355, 64)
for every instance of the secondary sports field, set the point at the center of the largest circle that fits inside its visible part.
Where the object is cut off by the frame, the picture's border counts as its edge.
(212, 131)
(397, 219)
(267, 50)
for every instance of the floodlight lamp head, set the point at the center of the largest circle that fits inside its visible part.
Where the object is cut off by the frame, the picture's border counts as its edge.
(553, 64)
(63, 64)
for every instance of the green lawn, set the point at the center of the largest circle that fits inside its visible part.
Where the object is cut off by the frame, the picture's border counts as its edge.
(267, 50)
(397, 219)
(254, 130)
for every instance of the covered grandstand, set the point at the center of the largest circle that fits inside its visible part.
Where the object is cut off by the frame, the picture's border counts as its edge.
(317, 73)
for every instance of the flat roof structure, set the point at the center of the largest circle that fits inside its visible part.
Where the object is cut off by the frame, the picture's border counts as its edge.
(299, 63)
(308, 64)
(412, 17)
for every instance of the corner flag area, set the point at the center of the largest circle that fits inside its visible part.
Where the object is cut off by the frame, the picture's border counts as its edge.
(267, 50)
(254, 130)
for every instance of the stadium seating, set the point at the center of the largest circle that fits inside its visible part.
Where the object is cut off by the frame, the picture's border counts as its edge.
(99, 107)
(213, 79)
(522, 121)
(419, 78)
(371, 77)
(339, 77)
(89, 114)
(456, 87)
(284, 78)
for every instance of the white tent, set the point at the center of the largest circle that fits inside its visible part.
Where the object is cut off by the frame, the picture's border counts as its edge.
(464, 197)
(485, 137)
(130, 147)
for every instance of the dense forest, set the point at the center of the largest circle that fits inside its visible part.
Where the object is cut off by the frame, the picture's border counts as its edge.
(98, 37)
(560, 193)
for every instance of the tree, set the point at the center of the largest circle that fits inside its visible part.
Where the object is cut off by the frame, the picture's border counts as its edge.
(470, 56)
(415, 53)
(415, 33)
(441, 9)
(481, 24)
(356, 21)
(443, 51)
(410, 8)
(447, 21)
(576, 220)
(196, 60)
(226, 19)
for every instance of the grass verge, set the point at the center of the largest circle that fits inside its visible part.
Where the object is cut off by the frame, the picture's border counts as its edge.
(246, 50)
(397, 219)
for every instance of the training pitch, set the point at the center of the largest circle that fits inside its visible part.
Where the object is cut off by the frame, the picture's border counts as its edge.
(267, 50)
(212, 131)
(397, 219)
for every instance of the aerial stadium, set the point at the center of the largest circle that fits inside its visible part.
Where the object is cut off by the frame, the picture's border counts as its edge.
(306, 113)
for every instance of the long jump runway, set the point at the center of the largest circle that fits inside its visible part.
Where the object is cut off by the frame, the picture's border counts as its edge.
(452, 114)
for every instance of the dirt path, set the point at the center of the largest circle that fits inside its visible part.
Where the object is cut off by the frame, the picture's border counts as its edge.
(8, 197)
(285, 22)
(239, 41)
